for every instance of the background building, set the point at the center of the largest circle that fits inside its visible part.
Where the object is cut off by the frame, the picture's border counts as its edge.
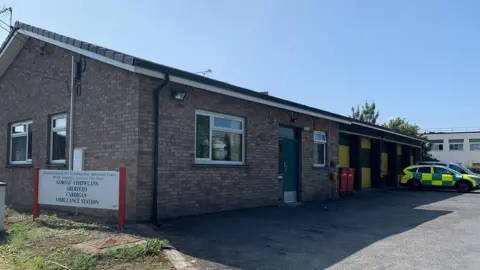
(461, 147)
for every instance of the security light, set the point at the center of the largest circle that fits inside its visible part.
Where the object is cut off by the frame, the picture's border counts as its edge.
(179, 95)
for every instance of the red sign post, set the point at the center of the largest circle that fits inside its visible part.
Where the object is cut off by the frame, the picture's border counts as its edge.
(122, 192)
(36, 206)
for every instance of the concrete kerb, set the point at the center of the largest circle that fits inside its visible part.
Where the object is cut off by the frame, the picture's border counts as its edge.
(177, 259)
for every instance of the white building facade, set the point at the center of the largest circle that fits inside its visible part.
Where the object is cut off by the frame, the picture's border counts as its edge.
(459, 147)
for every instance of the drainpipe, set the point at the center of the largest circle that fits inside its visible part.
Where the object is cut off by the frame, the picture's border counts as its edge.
(156, 95)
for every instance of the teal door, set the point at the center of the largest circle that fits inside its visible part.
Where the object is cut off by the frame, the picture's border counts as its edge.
(288, 164)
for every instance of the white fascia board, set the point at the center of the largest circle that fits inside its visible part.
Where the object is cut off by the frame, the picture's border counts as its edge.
(230, 93)
(149, 72)
(14, 38)
(12, 48)
(388, 131)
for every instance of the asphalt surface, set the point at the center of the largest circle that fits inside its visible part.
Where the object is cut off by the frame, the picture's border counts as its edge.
(398, 229)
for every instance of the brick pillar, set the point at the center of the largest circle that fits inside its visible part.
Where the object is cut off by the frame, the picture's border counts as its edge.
(376, 163)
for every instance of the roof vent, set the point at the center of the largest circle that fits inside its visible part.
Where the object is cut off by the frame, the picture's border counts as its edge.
(264, 92)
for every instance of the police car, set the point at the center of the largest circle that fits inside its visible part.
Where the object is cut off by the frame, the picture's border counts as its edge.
(420, 176)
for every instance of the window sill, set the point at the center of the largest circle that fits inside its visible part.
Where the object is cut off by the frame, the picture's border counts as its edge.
(55, 165)
(318, 166)
(19, 166)
(213, 165)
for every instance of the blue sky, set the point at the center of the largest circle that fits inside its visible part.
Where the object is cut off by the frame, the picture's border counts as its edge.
(415, 59)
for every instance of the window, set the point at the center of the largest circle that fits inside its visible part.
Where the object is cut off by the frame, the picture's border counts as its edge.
(320, 141)
(413, 170)
(456, 147)
(219, 139)
(458, 169)
(424, 170)
(21, 143)
(441, 170)
(437, 147)
(456, 144)
(474, 146)
(58, 139)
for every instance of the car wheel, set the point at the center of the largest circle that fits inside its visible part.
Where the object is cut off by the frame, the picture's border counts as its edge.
(414, 184)
(464, 187)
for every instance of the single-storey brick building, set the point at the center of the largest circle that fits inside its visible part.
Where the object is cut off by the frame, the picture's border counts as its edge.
(190, 144)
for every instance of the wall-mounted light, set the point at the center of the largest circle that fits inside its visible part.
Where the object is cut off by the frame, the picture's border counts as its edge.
(293, 117)
(178, 95)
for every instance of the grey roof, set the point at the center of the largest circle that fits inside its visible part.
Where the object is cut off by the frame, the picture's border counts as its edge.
(135, 61)
(115, 55)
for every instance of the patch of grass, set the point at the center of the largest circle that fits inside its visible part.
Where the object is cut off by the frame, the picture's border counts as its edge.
(152, 247)
(45, 245)
(73, 259)
(21, 234)
(64, 258)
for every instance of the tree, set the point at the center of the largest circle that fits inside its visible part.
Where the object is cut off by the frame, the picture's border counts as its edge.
(403, 126)
(368, 113)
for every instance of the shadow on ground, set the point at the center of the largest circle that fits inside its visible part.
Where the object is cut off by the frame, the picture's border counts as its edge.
(310, 236)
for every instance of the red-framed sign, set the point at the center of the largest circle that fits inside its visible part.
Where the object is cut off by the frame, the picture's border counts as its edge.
(86, 189)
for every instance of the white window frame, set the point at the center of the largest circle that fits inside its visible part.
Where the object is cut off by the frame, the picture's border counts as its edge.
(212, 127)
(52, 130)
(27, 160)
(451, 144)
(324, 142)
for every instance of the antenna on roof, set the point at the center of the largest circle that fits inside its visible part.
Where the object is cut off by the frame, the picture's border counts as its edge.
(9, 9)
(204, 73)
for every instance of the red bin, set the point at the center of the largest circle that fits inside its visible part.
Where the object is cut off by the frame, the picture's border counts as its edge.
(350, 180)
(343, 181)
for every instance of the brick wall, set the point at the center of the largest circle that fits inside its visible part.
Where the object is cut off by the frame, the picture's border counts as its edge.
(106, 117)
(186, 189)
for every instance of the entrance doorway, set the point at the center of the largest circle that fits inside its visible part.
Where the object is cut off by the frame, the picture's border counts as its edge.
(288, 163)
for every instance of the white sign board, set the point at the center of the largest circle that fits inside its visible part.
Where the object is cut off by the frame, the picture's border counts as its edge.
(90, 189)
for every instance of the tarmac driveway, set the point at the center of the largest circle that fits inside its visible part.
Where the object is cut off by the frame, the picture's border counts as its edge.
(398, 229)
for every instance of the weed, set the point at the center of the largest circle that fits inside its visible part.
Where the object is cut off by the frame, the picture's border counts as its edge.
(151, 248)
(73, 259)
(154, 246)
(39, 262)
(18, 235)
(81, 232)
(19, 230)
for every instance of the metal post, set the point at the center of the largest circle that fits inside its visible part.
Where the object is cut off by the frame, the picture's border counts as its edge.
(70, 132)
(70, 129)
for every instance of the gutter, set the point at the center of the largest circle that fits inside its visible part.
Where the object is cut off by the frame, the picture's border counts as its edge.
(156, 104)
